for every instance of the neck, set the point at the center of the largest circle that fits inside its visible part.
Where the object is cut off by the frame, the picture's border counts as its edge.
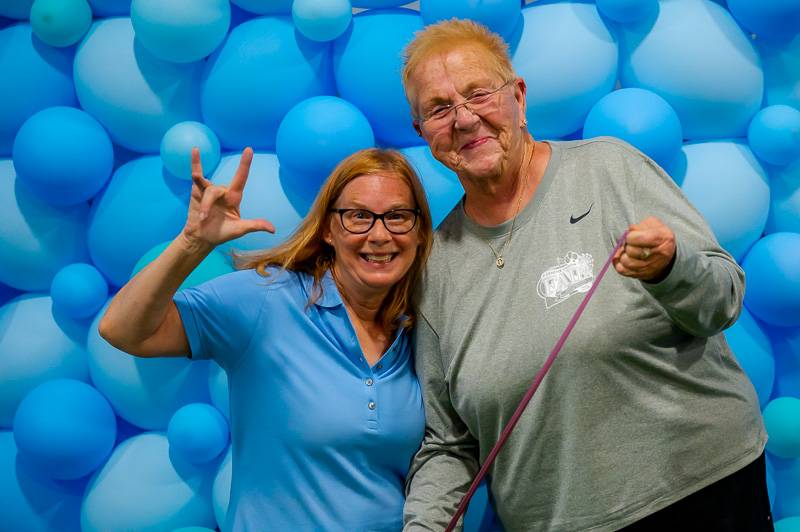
(362, 304)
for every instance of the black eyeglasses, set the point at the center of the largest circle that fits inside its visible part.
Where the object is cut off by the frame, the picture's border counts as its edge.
(360, 221)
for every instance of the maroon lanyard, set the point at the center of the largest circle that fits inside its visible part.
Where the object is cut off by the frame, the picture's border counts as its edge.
(532, 389)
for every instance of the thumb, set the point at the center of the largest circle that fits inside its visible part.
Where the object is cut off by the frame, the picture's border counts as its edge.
(258, 224)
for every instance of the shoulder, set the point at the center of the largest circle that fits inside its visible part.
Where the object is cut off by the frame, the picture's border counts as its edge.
(600, 149)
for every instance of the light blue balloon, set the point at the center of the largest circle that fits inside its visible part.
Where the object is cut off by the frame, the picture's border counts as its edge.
(218, 389)
(787, 479)
(321, 20)
(641, 118)
(786, 346)
(583, 71)
(36, 346)
(111, 8)
(140, 488)
(696, 57)
(63, 155)
(263, 69)
(145, 391)
(66, 428)
(181, 30)
(367, 61)
(16, 9)
(35, 76)
(784, 212)
(264, 197)
(197, 433)
(726, 183)
(782, 421)
(753, 351)
(78, 290)
(25, 492)
(177, 144)
(221, 490)
(781, 72)
(774, 19)
(500, 16)
(441, 184)
(60, 22)
(136, 96)
(773, 279)
(36, 239)
(627, 11)
(774, 134)
(788, 524)
(214, 265)
(265, 7)
(142, 206)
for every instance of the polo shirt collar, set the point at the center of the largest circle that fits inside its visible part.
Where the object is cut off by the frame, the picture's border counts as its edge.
(330, 292)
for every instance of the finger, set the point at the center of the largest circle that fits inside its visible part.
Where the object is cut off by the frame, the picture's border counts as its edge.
(638, 252)
(197, 171)
(633, 263)
(258, 225)
(240, 177)
(211, 196)
(645, 238)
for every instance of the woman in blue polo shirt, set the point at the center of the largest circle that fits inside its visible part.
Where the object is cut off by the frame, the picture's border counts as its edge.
(326, 411)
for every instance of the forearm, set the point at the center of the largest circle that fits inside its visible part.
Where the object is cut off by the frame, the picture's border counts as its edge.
(139, 309)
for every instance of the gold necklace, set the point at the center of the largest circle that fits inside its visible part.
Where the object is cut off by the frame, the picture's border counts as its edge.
(499, 261)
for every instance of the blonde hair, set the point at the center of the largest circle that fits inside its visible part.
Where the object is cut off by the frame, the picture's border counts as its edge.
(450, 34)
(306, 250)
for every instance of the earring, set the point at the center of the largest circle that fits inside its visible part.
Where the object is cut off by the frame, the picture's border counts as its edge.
(524, 123)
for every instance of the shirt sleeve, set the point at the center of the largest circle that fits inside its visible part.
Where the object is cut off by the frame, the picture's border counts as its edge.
(703, 292)
(443, 468)
(220, 315)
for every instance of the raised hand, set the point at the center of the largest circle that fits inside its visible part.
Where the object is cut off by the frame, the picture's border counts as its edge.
(649, 251)
(214, 215)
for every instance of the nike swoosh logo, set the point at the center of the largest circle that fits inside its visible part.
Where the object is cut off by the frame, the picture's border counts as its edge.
(574, 220)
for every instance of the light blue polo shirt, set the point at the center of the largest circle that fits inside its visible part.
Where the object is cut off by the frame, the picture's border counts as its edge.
(321, 440)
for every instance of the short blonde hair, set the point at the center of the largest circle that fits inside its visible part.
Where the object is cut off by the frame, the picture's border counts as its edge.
(450, 34)
(306, 250)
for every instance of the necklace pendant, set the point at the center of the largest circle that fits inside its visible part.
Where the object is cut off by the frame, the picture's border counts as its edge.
(500, 262)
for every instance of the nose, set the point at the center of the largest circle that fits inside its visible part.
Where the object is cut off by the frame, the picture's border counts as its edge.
(464, 118)
(379, 234)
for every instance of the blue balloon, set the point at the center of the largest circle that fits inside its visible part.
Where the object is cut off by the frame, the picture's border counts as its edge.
(265, 7)
(321, 20)
(627, 11)
(221, 490)
(35, 347)
(264, 197)
(378, 3)
(313, 137)
(774, 134)
(781, 72)
(500, 16)
(218, 389)
(142, 206)
(35, 76)
(788, 524)
(774, 19)
(583, 71)
(773, 279)
(214, 265)
(63, 155)
(181, 30)
(177, 144)
(111, 8)
(261, 71)
(33, 501)
(786, 346)
(36, 239)
(140, 488)
(66, 428)
(724, 180)
(136, 96)
(442, 186)
(197, 433)
(145, 391)
(787, 478)
(16, 9)
(782, 421)
(784, 212)
(367, 62)
(753, 351)
(78, 290)
(695, 56)
(60, 22)
(7, 293)
(641, 118)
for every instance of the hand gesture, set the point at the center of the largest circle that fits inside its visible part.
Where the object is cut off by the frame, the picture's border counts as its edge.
(648, 252)
(214, 215)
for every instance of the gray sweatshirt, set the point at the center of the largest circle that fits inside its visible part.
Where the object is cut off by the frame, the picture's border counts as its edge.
(644, 405)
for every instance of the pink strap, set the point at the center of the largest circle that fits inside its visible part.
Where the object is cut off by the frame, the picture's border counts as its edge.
(532, 389)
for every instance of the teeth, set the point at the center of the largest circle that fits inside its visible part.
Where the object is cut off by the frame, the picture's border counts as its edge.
(379, 258)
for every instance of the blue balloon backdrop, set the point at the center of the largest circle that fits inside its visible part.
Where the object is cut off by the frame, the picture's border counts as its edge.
(784, 212)
(753, 350)
(110, 8)
(78, 290)
(60, 22)
(176, 148)
(197, 433)
(773, 279)
(774, 134)
(500, 16)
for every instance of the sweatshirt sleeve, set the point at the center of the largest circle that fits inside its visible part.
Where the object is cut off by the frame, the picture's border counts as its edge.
(703, 292)
(443, 468)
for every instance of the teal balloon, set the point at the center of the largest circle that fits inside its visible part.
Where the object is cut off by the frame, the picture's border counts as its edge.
(500, 16)
(36, 238)
(772, 267)
(177, 144)
(753, 351)
(214, 265)
(35, 76)
(695, 56)
(583, 71)
(65, 428)
(197, 433)
(774, 134)
(784, 212)
(78, 290)
(181, 31)
(60, 22)
(788, 524)
(26, 491)
(321, 20)
(627, 11)
(786, 346)
(135, 95)
(16, 9)
(141, 488)
(782, 420)
(727, 184)
(36, 346)
(441, 184)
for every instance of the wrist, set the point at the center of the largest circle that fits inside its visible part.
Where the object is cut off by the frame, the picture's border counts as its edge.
(192, 245)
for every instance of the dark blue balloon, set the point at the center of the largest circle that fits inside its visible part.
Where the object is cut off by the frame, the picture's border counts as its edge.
(110, 8)
(773, 279)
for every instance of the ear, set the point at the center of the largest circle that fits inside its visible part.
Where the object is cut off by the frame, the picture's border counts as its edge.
(415, 123)
(520, 94)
